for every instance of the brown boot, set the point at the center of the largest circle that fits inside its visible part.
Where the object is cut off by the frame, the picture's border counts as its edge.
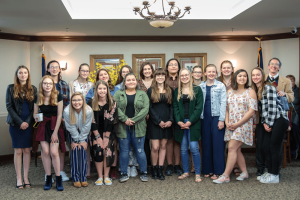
(77, 184)
(84, 184)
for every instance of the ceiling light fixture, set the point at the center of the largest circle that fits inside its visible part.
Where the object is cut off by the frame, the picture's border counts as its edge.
(161, 21)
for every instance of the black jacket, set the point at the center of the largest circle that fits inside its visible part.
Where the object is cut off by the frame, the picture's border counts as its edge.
(14, 107)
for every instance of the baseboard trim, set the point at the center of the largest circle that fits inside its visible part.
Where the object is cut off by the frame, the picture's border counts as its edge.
(10, 157)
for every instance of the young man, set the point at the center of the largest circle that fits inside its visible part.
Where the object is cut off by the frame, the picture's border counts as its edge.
(284, 88)
(173, 68)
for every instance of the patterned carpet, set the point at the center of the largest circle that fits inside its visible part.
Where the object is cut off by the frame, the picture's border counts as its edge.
(171, 188)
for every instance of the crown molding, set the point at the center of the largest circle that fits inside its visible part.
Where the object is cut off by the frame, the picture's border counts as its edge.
(193, 38)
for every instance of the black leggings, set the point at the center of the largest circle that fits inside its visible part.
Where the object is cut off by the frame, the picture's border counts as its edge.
(272, 143)
(260, 155)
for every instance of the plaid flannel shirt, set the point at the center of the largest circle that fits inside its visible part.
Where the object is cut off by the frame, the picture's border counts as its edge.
(65, 91)
(272, 108)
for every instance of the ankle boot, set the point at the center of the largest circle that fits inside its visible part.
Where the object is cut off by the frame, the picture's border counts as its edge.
(48, 183)
(59, 185)
(160, 173)
(154, 172)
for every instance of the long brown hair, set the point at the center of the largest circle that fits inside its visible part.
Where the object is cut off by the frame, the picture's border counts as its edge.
(80, 66)
(27, 89)
(191, 87)
(120, 77)
(53, 95)
(224, 62)
(142, 70)
(48, 68)
(110, 85)
(109, 98)
(72, 110)
(259, 90)
(155, 95)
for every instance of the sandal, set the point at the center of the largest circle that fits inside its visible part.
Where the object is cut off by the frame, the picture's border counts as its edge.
(183, 176)
(27, 185)
(19, 186)
(236, 171)
(198, 179)
(215, 176)
(208, 175)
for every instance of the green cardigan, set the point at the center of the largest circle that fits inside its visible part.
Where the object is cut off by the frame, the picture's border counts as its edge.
(195, 110)
(141, 109)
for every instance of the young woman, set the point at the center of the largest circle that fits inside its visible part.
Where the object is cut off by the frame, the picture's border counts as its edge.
(78, 119)
(103, 75)
(241, 106)
(197, 75)
(160, 121)
(53, 69)
(133, 107)
(188, 105)
(173, 147)
(50, 132)
(272, 125)
(213, 117)
(105, 114)
(123, 71)
(83, 85)
(146, 77)
(20, 98)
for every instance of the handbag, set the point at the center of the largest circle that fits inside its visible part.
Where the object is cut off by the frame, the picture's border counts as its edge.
(285, 104)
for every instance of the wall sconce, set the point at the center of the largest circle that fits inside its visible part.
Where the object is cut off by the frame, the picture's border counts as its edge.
(233, 62)
(63, 65)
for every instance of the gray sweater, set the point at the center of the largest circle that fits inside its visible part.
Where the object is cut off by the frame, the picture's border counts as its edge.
(79, 131)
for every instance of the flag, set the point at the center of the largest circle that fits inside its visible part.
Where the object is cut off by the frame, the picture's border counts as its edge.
(43, 64)
(260, 59)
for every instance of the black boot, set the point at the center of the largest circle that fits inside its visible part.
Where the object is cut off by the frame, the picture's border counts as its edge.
(48, 183)
(160, 173)
(59, 185)
(149, 170)
(154, 172)
(169, 170)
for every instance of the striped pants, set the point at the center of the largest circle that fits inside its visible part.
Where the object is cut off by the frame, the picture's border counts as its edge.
(78, 163)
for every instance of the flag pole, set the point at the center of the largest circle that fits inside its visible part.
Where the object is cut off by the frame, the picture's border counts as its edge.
(259, 39)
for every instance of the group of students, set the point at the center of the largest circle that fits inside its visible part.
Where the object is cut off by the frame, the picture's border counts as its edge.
(175, 110)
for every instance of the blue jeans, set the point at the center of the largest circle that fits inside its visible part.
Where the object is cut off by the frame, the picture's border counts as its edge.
(138, 146)
(185, 152)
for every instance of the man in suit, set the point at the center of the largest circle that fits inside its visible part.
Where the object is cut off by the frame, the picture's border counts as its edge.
(284, 88)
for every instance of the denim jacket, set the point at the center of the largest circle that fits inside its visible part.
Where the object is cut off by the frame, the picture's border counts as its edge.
(218, 99)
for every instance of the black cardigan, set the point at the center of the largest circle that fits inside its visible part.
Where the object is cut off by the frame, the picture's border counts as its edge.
(14, 107)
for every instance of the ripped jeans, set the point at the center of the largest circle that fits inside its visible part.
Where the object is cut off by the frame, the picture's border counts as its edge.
(138, 146)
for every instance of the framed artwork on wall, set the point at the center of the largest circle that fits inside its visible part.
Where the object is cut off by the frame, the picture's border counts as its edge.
(106, 60)
(190, 60)
(157, 61)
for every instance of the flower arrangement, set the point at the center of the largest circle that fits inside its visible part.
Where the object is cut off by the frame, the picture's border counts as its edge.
(113, 72)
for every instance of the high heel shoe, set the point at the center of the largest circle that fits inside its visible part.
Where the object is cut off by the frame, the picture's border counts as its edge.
(27, 185)
(59, 184)
(19, 186)
(48, 183)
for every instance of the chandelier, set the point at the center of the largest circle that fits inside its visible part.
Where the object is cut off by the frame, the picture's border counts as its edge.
(165, 20)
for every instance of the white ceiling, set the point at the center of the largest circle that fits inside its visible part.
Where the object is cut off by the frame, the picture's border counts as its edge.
(122, 9)
(50, 17)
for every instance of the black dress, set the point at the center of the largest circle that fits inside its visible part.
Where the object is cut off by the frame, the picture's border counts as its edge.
(161, 111)
(49, 111)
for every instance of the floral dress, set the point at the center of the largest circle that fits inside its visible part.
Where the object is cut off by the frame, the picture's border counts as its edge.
(81, 87)
(238, 106)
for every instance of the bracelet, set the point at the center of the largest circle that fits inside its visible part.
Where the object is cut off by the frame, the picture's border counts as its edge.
(106, 137)
(97, 136)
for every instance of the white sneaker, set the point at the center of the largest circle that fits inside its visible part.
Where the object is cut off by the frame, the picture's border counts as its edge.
(64, 176)
(99, 181)
(128, 171)
(271, 178)
(133, 171)
(262, 176)
(46, 178)
(107, 181)
(242, 176)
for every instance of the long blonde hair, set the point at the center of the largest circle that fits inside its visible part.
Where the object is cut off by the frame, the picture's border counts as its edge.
(109, 98)
(27, 89)
(72, 110)
(53, 95)
(191, 89)
(155, 95)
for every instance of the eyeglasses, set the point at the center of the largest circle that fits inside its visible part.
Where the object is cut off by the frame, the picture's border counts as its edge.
(85, 71)
(76, 100)
(54, 67)
(276, 64)
(197, 72)
(46, 84)
(184, 75)
(171, 65)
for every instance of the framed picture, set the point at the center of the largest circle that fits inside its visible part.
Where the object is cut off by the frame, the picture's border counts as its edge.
(157, 61)
(106, 60)
(190, 60)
